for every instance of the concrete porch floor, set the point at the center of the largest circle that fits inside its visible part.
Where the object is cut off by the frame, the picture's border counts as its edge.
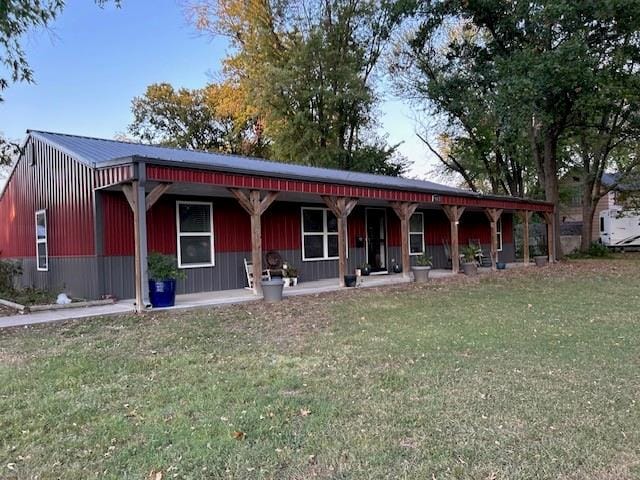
(242, 295)
(223, 297)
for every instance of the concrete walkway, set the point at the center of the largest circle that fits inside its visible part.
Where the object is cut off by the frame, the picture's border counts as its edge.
(212, 299)
(64, 314)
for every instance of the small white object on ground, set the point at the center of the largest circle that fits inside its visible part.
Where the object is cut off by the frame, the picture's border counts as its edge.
(63, 299)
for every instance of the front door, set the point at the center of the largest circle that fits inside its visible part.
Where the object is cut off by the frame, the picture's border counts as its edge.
(376, 219)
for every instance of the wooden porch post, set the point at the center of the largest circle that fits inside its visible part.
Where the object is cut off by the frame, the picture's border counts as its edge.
(526, 218)
(341, 207)
(551, 235)
(493, 214)
(404, 210)
(140, 202)
(255, 205)
(453, 213)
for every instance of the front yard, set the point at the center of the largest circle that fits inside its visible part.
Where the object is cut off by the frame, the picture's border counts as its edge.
(524, 374)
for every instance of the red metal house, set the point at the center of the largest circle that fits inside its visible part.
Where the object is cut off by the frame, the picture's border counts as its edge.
(81, 214)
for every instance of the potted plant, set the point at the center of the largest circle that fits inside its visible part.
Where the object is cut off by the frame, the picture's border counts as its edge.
(422, 267)
(292, 275)
(350, 280)
(469, 265)
(539, 258)
(395, 267)
(365, 270)
(163, 272)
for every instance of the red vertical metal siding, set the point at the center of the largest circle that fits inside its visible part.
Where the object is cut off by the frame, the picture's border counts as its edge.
(394, 235)
(113, 175)
(436, 227)
(57, 183)
(473, 225)
(117, 224)
(356, 226)
(281, 227)
(232, 228)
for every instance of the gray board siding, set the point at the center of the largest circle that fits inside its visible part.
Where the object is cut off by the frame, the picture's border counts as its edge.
(229, 273)
(76, 276)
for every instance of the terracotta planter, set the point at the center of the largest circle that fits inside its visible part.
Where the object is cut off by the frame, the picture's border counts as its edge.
(470, 268)
(420, 273)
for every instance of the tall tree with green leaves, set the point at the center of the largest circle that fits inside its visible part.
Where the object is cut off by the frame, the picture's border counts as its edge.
(198, 119)
(310, 70)
(545, 60)
(455, 82)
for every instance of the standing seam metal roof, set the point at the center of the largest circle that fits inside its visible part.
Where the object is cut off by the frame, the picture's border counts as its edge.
(97, 152)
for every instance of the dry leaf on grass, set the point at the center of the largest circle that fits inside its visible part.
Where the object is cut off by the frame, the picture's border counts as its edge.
(304, 412)
(238, 435)
(155, 475)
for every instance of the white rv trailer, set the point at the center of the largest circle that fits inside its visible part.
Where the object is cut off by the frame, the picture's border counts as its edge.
(619, 229)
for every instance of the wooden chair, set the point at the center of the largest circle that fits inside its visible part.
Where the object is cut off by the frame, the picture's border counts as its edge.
(447, 252)
(248, 268)
(481, 259)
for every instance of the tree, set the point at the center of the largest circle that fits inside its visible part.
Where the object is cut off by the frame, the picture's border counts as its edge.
(200, 119)
(545, 60)
(17, 17)
(606, 140)
(310, 68)
(455, 81)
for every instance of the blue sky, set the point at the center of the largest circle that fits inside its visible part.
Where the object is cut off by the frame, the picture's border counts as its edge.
(93, 61)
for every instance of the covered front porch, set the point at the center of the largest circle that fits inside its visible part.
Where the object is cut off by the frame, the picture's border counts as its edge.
(255, 207)
(314, 287)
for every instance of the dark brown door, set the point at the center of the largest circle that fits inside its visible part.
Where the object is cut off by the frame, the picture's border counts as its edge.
(377, 239)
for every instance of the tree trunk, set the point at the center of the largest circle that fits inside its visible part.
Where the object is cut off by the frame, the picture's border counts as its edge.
(588, 211)
(551, 187)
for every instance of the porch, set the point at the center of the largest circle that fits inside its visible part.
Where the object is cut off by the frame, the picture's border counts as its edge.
(324, 228)
(314, 287)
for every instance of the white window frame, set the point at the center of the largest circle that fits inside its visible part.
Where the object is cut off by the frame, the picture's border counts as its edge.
(180, 234)
(44, 240)
(325, 236)
(499, 233)
(421, 233)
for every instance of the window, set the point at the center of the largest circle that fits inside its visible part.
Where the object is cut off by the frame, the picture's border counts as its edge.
(42, 247)
(319, 234)
(416, 234)
(499, 234)
(602, 224)
(194, 221)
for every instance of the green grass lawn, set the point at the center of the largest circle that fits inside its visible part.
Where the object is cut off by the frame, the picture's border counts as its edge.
(519, 375)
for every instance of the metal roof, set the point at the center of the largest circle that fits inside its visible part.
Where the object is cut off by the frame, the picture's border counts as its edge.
(97, 152)
(627, 184)
(100, 152)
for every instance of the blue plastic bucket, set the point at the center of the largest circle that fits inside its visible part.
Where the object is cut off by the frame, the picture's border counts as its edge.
(162, 293)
